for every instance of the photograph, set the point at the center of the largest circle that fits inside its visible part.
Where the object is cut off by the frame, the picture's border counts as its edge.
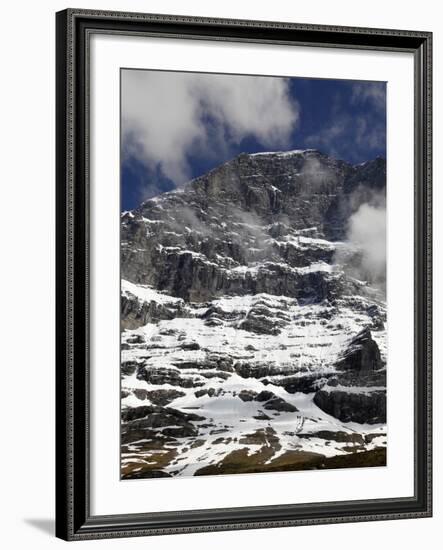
(253, 274)
(220, 239)
(243, 273)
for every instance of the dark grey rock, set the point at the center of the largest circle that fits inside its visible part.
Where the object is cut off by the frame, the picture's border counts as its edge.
(164, 375)
(158, 397)
(190, 346)
(260, 369)
(339, 436)
(279, 404)
(257, 199)
(210, 392)
(350, 406)
(128, 368)
(136, 313)
(247, 395)
(306, 383)
(362, 354)
(270, 400)
(348, 395)
(153, 421)
(265, 395)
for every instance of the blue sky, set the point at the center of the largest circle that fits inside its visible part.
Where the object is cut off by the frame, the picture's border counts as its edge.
(177, 126)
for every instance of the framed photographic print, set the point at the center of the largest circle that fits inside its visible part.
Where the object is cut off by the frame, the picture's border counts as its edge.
(243, 274)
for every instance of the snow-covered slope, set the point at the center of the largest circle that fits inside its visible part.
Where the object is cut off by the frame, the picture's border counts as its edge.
(246, 344)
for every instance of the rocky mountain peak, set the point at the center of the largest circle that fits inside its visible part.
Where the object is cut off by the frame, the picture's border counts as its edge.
(249, 342)
(250, 225)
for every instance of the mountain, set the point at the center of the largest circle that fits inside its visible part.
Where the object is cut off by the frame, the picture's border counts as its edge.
(252, 340)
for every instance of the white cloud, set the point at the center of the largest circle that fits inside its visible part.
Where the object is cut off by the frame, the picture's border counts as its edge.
(317, 173)
(165, 115)
(367, 230)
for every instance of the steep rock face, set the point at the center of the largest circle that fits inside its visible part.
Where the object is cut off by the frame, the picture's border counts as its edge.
(353, 404)
(358, 392)
(139, 305)
(255, 224)
(136, 314)
(247, 342)
(362, 354)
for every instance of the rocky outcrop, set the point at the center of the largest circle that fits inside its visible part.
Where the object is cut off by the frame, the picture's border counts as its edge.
(302, 382)
(136, 312)
(161, 375)
(158, 397)
(353, 404)
(258, 369)
(270, 401)
(153, 421)
(248, 227)
(361, 355)
(278, 404)
(358, 392)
